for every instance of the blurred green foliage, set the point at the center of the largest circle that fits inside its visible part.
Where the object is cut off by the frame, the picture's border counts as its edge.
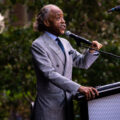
(88, 18)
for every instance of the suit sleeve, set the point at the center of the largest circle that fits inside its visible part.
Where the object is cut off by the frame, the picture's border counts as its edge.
(42, 61)
(83, 60)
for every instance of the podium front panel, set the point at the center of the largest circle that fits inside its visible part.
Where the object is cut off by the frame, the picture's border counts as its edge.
(106, 108)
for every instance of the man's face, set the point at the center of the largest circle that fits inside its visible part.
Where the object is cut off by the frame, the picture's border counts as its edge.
(56, 21)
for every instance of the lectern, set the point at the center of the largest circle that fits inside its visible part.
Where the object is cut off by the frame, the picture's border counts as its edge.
(104, 107)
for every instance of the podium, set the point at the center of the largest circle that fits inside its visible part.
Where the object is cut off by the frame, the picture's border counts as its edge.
(104, 107)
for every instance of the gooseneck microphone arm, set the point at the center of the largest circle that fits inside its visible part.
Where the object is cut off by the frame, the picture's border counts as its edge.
(80, 39)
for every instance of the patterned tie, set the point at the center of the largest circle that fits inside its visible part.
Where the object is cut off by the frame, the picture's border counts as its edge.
(60, 44)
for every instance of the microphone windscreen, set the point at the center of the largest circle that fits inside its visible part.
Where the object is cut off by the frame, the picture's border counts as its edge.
(67, 33)
(111, 10)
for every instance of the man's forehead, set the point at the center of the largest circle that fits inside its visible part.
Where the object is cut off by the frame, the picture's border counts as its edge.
(55, 11)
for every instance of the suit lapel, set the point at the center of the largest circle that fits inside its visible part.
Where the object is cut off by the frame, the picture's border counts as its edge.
(54, 46)
(66, 56)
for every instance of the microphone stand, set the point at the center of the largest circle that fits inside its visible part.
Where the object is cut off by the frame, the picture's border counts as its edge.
(100, 51)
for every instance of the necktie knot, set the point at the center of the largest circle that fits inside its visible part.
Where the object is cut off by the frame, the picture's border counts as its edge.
(57, 39)
(60, 44)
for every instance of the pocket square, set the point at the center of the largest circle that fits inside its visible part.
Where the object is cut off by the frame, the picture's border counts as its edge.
(71, 52)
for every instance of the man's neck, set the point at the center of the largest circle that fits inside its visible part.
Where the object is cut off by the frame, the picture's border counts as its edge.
(51, 35)
(52, 32)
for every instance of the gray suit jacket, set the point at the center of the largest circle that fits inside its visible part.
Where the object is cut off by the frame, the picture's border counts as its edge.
(54, 76)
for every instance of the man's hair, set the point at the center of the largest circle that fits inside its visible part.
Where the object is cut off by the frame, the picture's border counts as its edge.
(42, 15)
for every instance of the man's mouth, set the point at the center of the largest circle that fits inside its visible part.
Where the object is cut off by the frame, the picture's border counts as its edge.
(63, 26)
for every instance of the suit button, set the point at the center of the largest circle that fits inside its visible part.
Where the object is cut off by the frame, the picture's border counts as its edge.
(57, 65)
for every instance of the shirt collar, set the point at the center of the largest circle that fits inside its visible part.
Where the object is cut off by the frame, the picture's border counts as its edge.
(51, 35)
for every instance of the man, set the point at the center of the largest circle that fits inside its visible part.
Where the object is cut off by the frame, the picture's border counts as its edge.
(54, 59)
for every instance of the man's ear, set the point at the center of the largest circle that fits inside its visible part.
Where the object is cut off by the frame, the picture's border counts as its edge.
(46, 23)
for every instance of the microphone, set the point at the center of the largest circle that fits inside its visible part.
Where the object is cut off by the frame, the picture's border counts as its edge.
(117, 8)
(76, 37)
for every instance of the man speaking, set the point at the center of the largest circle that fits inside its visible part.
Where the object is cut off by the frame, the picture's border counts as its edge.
(53, 63)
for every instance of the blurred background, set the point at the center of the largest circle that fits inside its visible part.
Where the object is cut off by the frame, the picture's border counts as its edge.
(87, 18)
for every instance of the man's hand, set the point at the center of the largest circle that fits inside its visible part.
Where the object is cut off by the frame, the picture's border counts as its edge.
(95, 45)
(89, 92)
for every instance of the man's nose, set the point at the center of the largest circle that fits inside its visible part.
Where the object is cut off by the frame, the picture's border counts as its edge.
(62, 20)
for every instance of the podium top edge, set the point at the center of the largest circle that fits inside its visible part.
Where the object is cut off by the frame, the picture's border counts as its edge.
(104, 90)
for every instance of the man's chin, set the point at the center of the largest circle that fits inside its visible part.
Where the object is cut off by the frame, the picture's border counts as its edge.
(62, 32)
